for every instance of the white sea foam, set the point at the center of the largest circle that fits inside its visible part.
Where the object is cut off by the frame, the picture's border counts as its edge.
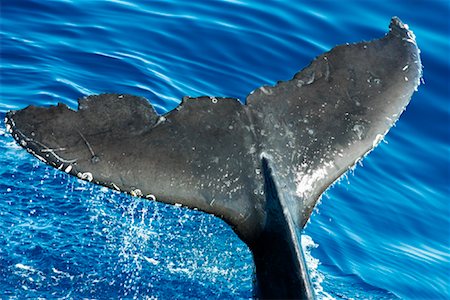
(25, 267)
(313, 264)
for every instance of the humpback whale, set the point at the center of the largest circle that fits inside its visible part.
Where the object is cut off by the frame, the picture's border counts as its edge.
(261, 166)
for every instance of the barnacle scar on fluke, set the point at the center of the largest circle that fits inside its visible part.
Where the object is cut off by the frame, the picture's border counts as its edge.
(261, 166)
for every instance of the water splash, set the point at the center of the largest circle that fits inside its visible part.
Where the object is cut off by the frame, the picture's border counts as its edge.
(316, 276)
(49, 224)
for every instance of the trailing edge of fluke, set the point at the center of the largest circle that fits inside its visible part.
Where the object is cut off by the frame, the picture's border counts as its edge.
(261, 166)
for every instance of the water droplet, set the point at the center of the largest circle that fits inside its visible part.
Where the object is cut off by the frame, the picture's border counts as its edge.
(373, 79)
(377, 140)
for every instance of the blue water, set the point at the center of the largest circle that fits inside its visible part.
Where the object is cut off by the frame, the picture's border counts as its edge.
(383, 232)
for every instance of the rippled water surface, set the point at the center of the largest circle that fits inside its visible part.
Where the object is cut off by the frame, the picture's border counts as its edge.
(382, 233)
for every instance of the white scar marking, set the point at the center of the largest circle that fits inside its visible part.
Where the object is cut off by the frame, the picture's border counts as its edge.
(151, 197)
(266, 91)
(136, 193)
(52, 150)
(68, 169)
(39, 157)
(87, 176)
(115, 186)
(48, 149)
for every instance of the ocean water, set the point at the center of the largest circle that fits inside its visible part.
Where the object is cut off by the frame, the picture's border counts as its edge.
(383, 232)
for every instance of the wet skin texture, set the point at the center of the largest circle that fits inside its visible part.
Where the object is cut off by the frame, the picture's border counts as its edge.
(261, 166)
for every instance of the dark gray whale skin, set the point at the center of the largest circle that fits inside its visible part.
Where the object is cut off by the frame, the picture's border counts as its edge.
(261, 166)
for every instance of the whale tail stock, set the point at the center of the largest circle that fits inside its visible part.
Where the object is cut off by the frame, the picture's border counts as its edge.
(261, 166)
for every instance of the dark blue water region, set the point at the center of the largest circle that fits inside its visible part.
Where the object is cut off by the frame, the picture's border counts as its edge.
(382, 232)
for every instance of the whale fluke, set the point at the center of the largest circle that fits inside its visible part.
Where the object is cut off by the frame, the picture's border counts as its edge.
(260, 166)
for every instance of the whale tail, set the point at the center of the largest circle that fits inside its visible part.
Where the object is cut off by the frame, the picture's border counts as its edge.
(261, 166)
